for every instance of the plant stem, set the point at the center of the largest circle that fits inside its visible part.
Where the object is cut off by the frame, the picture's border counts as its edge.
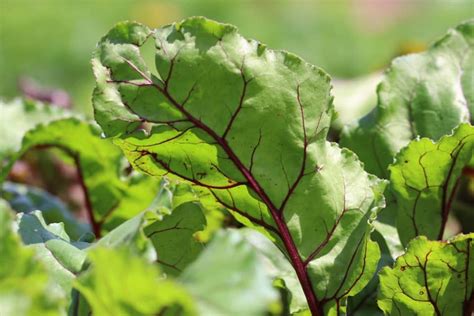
(96, 226)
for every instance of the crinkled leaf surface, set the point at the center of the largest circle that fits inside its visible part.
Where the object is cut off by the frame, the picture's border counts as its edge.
(426, 94)
(25, 284)
(173, 233)
(431, 278)
(424, 179)
(19, 116)
(229, 279)
(111, 196)
(249, 124)
(62, 257)
(166, 231)
(120, 283)
(24, 198)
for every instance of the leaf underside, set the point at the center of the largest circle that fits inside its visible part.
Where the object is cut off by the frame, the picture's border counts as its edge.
(249, 124)
(431, 278)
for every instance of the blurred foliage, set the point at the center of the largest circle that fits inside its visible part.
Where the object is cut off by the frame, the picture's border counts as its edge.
(51, 41)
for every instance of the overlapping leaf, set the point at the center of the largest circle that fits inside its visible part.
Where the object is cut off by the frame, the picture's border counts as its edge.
(53, 247)
(120, 283)
(431, 278)
(111, 196)
(227, 279)
(249, 124)
(24, 198)
(26, 287)
(424, 179)
(426, 94)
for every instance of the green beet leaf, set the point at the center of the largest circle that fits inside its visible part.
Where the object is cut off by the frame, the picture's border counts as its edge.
(174, 232)
(24, 198)
(52, 246)
(424, 179)
(166, 232)
(25, 114)
(249, 125)
(229, 279)
(426, 94)
(120, 283)
(26, 286)
(431, 278)
(111, 196)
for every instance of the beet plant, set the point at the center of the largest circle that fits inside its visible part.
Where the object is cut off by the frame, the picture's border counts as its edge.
(221, 124)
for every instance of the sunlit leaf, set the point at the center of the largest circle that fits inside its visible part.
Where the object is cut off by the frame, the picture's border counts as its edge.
(431, 278)
(249, 124)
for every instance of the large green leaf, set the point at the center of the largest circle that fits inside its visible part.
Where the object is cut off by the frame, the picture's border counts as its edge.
(120, 283)
(426, 94)
(249, 124)
(424, 179)
(26, 287)
(111, 196)
(24, 198)
(431, 278)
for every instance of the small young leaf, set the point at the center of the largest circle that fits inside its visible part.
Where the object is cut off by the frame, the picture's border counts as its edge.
(173, 234)
(63, 258)
(424, 179)
(431, 278)
(426, 94)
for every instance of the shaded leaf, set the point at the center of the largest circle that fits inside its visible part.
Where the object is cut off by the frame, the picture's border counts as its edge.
(431, 278)
(25, 283)
(120, 283)
(24, 198)
(25, 114)
(424, 179)
(52, 246)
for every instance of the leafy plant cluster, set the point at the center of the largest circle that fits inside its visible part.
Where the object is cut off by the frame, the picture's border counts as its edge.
(224, 125)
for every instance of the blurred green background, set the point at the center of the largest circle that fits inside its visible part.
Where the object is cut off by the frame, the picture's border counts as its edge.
(51, 41)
